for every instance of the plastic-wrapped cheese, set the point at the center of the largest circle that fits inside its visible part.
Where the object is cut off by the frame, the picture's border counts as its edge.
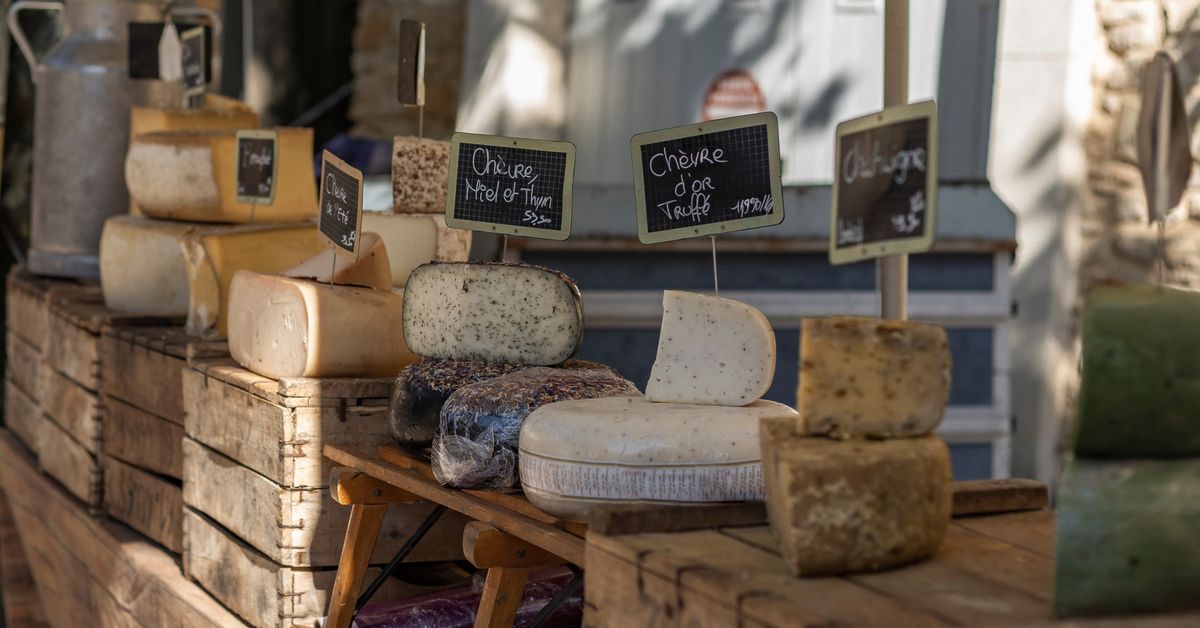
(492, 312)
(213, 259)
(141, 265)
(577, 454)
(480, 425)
(191, 175)
(870, 377)
(370, 270)
(415, 239)
(711, 351)
(420, 169)
(284, 327)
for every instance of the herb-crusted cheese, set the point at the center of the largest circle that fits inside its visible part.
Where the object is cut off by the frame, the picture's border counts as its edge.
(492, 312)
(870, 377)
(420, 168)
(371, 270)
(711, 351)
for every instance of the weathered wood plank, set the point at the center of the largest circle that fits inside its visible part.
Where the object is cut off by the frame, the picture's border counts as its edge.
(29, 299)
(1032, 530)
(73, 350)
(143, 580)
(143, 367)
(23, 416)
(22, 605)
(150, 504)
(992, 496)
(24, 363)
(301, 527)
(65, 460)
(295, 391)
(143, 439)
(73, 407)
(282, 443)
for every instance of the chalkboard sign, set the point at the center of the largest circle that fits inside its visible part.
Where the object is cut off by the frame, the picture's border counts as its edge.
(194, 62)
(341, 205)
(713, 177)
(885, 184)
(145, 41)
(511, 186)
(410, 86)
(256, 166)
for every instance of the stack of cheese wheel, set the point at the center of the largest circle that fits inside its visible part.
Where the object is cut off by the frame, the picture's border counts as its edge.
(860, 482)
(693, 438)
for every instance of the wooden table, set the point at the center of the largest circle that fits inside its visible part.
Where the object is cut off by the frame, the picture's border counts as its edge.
(508, 537)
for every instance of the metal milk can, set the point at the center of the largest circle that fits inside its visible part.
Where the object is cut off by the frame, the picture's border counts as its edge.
(81, 130)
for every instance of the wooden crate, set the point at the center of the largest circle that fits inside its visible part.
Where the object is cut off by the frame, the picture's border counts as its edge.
(148, 503)
(75, 409)
(22, 605)
(61, 457)
(143, 439)
(23, 416)
(261, 591)
(301, 527)
(73, 338)
(24, 363)
(143, 367)
(29, 299)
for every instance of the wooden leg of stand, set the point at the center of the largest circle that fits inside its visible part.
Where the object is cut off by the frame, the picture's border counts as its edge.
(365, 520)
(502, 593)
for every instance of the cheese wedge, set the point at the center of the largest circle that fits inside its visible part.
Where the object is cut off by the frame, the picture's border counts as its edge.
(492, 312)
(141, 265)
(213, 259)
(190, 175)
(218, 114)
(415, 239)
(370, 270)
(420, 168)
(284, 327)
(867, 377)
(711, 351)
(577, 454)
(845, 506)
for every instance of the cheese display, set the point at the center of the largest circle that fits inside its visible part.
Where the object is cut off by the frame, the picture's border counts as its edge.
(480, 425)
(218, 113)
(422, 388)
(867, 377)
(371, 270)
(420, 169)
(1128, 537)
(285, 327)
(415, 239)
(711, 351)
(213, 259)
(142, 270)
(841, 506)
(191, 175)
(576, 454)
(1140, 392)
(492, 312)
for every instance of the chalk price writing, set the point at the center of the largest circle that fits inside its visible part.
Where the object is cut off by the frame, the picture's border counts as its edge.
(348, 240)
(908, 223)
(483, 163)
(693, 196)
(850, 232)
(859, 166)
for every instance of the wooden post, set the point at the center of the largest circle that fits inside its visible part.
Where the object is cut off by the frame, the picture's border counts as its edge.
(365, 520)
(893, 269)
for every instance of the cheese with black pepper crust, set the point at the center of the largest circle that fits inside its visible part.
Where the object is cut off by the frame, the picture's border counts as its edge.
(869, 377)
(711, 351)
(492, 312)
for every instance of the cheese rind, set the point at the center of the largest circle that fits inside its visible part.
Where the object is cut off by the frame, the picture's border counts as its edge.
(420, 169)
(217, 114)
(492, 312)
(577, 454)
(415, 239)
(142, 270)
(191, 175)
(370, 270)
(213, 259)
(867, 377)
(285, 327)
(844, 506)
(711, 351)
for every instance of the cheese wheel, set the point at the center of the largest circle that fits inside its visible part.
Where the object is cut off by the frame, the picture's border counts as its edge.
(420, 168)
(217, 114)
(142, 270)
(711, 351)
(415, 239)
(191, 175)
(370, 270)
(285, 327)
(576, 454)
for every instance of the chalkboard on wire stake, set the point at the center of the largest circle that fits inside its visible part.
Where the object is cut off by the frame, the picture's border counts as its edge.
(341, 205)
(709, 178)
(510, 186)
(193, 59)
(257, 166)
(885, 184)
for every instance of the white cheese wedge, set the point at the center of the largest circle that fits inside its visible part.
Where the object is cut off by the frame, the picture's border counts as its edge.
(284, 327)
(576, 454)
(415, 239)
(870, 377)
(213, 259)
(141, 264)
(711, 351)
(420, 168)
(191, 175)
(492, 312)
(371, 269)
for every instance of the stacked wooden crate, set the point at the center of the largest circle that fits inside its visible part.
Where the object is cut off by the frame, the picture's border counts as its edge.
(259, 513)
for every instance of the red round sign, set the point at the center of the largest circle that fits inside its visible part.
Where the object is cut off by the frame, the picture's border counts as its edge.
(733, 93)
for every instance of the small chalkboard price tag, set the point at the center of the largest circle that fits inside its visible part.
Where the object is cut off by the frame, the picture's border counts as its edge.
(193, 61)
(341, 205)
(885, 184)
(510, 186)
(708, 178)
(256, 167)
(410, 86)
